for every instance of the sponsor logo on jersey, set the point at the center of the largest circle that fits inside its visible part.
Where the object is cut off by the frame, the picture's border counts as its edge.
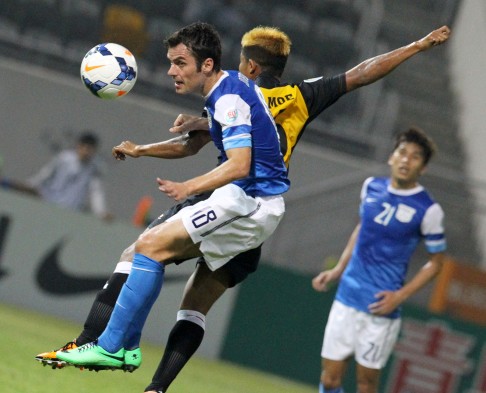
(231, 115)
(280, 100)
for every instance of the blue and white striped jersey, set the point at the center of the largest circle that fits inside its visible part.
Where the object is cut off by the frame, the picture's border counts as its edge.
(393, 222)
(239, 117)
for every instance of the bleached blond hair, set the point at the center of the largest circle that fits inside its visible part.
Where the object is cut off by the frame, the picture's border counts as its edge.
(272, 39)
(267, 46)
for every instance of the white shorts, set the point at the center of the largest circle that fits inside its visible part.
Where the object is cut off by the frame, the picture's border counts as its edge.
(230, 222)
(371, 338)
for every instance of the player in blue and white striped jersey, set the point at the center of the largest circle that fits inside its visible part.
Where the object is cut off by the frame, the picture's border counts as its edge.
(396, 213)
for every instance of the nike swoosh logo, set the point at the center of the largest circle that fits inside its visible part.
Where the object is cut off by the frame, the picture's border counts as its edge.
(120, 359)
(88, 68)
(52, 278)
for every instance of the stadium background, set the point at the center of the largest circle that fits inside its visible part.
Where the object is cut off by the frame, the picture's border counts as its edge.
(44, 104)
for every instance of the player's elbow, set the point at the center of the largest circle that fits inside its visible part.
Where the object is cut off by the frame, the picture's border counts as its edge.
(241, 171)
(436, 263)
(195, 141)
(239, 162)
(190, 150)
(240, 168)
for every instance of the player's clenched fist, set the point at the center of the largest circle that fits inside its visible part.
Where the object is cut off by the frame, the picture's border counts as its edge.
(436, 37)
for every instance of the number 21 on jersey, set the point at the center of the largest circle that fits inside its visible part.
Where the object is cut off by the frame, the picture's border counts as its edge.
(386, 215)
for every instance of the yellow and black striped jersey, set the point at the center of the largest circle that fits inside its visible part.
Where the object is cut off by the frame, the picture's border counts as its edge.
(293, 106)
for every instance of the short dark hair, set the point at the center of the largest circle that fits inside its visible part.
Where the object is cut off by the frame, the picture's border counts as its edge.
(418, 136)
(202, 39)
(88, 138)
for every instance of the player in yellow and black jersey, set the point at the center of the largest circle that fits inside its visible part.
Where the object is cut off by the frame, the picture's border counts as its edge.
(263, 58)
(295, 106)
(264, 53)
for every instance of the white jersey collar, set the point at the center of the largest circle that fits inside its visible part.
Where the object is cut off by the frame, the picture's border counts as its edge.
(218, 82)
(407, 192)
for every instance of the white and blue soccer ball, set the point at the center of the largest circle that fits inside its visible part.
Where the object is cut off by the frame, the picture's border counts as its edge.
(109, 71)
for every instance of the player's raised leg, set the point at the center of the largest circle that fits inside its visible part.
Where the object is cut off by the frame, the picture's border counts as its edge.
(136, 298)
(99, 314)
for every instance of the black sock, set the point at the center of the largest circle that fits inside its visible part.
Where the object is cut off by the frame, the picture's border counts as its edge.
(184, 339)
(101, 310)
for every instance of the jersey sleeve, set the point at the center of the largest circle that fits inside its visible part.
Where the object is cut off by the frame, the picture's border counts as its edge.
(364, 188)
(320, 93)
(364, 192)
(234, 116)
(433, 229)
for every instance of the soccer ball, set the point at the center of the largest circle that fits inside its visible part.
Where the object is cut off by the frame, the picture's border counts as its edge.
(109, 71)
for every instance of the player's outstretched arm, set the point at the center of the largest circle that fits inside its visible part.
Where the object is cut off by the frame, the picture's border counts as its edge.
(377, 67)
(178, 147)
(15, 185)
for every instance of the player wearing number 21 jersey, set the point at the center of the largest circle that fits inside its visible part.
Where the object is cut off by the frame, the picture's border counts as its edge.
(396, 213)
(393, 222)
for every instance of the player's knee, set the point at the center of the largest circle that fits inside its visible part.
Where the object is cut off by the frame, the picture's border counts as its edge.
(367, 379)
(127, 254)
(142, 244)
(147, 244)
(153, 247)
(330, 381)
(367, 385)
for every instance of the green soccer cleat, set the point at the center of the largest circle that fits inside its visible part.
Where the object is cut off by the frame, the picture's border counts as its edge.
(133, 360)
(92, 356)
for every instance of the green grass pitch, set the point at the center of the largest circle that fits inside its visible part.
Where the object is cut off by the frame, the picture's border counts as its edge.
(24, 333)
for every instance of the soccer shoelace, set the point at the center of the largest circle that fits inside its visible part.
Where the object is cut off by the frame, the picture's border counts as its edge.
(87, 346)
(69, 345)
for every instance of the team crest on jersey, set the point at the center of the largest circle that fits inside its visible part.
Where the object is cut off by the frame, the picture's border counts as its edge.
(231, 115)
(405, 213)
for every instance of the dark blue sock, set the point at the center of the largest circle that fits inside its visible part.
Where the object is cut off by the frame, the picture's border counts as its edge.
(335, 390)
(133, 305)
